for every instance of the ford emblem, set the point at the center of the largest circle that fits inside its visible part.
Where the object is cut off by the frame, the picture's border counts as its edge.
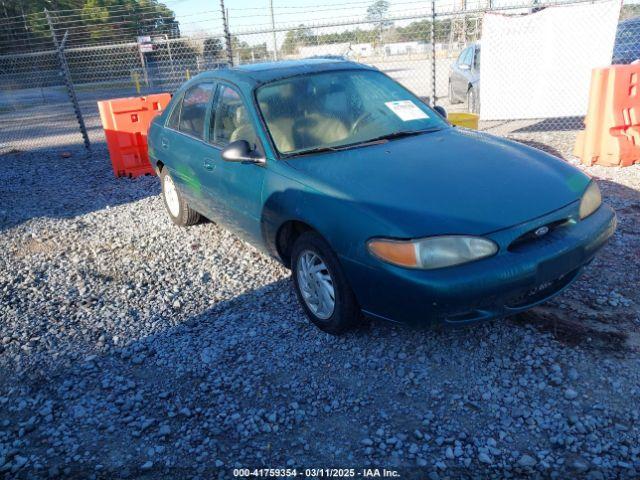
(541, 231)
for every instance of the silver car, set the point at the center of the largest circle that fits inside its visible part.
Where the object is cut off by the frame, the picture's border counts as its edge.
(464, 78)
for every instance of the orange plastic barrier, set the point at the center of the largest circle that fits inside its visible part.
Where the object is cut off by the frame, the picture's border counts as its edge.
(612, 133)
(126, 122)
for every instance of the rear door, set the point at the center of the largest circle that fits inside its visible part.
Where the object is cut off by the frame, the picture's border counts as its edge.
(184, 140)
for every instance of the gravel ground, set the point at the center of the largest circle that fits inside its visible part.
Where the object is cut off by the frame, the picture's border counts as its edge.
(131, 348)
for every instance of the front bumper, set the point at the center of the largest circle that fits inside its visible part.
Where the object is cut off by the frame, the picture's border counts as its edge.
(509, 282)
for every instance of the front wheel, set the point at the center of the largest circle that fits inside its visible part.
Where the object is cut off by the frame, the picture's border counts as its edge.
(452, 97)
(473, 104)
(321, 286)
(177, 207)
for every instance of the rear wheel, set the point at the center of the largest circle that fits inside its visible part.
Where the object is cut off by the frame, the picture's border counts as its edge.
(178, 209)
(321, 286)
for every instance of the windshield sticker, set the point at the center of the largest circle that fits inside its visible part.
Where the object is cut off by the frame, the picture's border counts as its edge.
(406, 110)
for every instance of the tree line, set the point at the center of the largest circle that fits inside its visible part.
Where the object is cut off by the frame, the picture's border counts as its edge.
(418, 31)
(24, 26)
(384, 31)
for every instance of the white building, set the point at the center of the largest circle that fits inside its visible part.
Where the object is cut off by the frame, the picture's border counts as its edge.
(326, 49)
(359, 50)
(405, 48)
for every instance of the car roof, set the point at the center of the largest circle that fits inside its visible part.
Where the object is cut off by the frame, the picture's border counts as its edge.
(259, 73)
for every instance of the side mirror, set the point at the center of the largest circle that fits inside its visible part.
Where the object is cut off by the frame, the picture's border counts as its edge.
(441, 111)
(240, 151)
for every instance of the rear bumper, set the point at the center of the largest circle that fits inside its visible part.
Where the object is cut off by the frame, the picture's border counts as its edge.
(509, 282)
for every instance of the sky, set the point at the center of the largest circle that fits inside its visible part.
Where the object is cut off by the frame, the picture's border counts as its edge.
(200, 16)
(203, 17)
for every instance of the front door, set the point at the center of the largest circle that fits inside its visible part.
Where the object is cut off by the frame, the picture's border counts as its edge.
(237, 187)
(459, 78)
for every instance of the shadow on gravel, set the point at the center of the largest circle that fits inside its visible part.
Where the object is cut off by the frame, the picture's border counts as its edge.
(571, 329)
(235, 374)
(249, 380)
(63, 182)
(554, 124)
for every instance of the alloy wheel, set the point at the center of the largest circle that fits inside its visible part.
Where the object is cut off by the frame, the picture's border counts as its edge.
(171, 196)
(316, 284)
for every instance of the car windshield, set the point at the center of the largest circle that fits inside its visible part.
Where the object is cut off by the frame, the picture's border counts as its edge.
(340, 109)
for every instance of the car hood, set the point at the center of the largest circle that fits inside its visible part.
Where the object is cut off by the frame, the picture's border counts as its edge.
(451, 181)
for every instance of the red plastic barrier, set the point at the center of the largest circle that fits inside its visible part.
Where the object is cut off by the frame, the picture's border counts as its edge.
(612, 133)
(126, 122)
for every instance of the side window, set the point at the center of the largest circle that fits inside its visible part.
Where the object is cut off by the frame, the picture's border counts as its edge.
(174, 118)
(462, 56)
(468, 56)
(476, 59)
(231, 120)
(194, 109)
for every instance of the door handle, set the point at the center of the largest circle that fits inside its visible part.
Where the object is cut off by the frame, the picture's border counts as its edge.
(164, 142)
(208, 164)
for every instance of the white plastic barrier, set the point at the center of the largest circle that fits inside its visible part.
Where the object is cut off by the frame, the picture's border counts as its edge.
(539, 65)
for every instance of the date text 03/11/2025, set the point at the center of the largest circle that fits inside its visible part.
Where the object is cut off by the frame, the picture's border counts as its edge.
(316, 472)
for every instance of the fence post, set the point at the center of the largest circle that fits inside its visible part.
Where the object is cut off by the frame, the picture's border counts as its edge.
(166, 39)
(273, 31)
(433, 51)
(227, 34)
(66, 74)
(143, 64)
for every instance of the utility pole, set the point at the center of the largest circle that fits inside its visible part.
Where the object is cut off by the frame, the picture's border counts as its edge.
(273, 31)
(227, 34)
(433, 52)
(66, 74)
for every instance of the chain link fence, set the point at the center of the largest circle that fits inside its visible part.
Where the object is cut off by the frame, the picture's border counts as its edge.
(55, 66)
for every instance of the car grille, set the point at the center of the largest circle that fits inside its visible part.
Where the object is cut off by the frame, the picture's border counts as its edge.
(530, 237)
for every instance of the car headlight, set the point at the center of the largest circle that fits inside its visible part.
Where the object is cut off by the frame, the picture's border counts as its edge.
(591, 200)
(432, 252)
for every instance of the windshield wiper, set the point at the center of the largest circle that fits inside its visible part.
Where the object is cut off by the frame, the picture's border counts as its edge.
(401, 134)
(385, 138)
(365, 143)
(313, 150)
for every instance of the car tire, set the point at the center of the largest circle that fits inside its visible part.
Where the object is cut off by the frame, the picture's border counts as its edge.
(311, 251)
(177, 207)
(472, 100)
